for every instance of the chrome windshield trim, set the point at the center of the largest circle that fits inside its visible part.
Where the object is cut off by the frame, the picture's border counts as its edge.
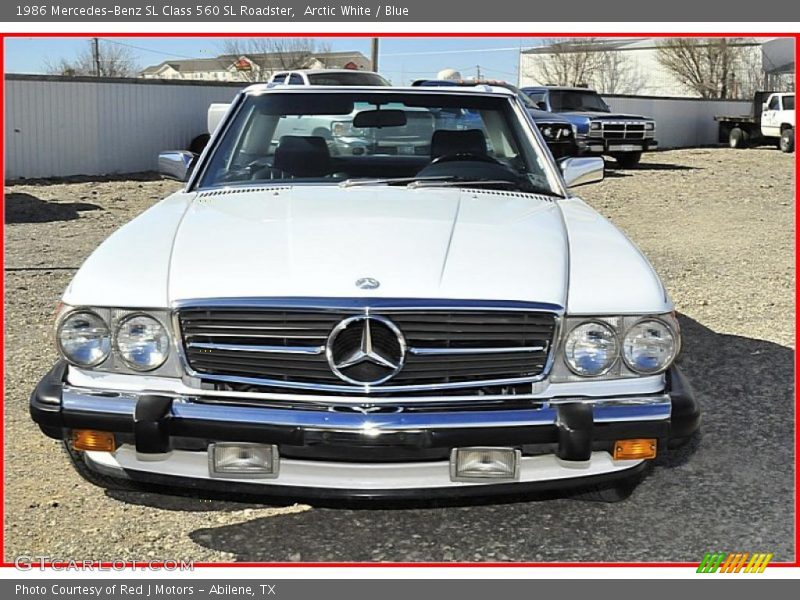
(468, 351)
(643, 408)
(256, 348)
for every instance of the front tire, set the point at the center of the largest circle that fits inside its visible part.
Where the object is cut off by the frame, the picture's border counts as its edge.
(607, 494)
(628, 160)
(103, 481)
(738, 138)
(786, 143)
(611, 492)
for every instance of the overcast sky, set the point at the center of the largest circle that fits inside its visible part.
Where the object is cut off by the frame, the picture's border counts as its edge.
(401, 59)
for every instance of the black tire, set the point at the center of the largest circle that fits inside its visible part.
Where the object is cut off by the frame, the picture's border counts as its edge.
(738, 138)
(787, 140)
(198, 144)
(614, 492)
(628, 160)
(103, 481)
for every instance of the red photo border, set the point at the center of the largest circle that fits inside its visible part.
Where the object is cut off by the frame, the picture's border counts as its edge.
(140, 565)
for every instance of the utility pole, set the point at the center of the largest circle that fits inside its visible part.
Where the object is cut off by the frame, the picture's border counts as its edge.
(96, 56)
(478, 75)
(375, 54)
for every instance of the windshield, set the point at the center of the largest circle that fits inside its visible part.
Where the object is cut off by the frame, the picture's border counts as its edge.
(574, 100)
(354, 78)
(788, 103)
(377, 138)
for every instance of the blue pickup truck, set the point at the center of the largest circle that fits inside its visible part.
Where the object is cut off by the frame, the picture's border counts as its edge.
(599, 131)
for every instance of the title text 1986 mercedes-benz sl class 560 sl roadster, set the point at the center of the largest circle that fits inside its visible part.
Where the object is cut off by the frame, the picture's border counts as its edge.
(389, 324)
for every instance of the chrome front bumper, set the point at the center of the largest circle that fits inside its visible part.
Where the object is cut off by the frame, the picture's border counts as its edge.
(164, 437)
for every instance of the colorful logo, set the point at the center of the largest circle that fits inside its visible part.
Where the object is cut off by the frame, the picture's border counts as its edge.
(741, 562)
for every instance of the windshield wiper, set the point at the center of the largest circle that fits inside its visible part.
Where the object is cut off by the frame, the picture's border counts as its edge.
(523, 185)
(391, 180)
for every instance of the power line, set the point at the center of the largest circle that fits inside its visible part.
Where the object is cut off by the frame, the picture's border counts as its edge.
(143, 49)
(464, 51)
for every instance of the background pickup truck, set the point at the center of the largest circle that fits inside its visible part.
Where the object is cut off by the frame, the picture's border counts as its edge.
(771, 120)
(599, 131)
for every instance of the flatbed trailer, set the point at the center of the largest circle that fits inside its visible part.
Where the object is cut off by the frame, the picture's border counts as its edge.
(741, 131)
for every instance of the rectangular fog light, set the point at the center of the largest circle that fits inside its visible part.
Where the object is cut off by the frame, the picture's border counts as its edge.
(635, 449)
(472, 464)
(241, 460)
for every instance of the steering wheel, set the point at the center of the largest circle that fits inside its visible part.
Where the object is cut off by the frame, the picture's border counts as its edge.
(457, 156)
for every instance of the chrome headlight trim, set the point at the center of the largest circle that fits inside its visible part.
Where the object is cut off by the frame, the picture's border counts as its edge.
(113, 317)
(64, 318)
(676, 344)
(131, 365)
(614, 336)
(621, 325)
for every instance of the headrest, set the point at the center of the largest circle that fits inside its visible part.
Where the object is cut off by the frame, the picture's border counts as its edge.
(467, 141)
(303, 156)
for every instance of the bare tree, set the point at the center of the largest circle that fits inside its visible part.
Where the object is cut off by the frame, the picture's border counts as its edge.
(113, 61)
(587, 62)
(272, 54)
(617, 74)
(568, 61)
(711, 67)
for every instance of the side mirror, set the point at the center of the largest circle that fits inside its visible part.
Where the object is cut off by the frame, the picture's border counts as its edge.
(542, 105)
(175, 164)
(582, 170)
(764, 107)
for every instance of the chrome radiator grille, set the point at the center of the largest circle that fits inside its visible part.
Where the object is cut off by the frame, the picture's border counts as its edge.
(294, 348)
(622, 130)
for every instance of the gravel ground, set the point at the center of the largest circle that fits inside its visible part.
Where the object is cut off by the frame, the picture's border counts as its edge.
(719, 227)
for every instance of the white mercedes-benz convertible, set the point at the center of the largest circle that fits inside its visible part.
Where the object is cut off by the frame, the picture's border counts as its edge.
(432, 314)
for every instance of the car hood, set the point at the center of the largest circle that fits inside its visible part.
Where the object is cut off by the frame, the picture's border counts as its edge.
(602, 116)
(305, 241)
(542, 116)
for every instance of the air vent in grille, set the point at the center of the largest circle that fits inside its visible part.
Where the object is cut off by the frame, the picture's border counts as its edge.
(444, 347)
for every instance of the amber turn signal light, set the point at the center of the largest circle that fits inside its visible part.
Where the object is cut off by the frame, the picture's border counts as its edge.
(89, 439)
(634, 449)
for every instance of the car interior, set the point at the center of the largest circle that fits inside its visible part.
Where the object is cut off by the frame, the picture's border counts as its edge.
(388, 140)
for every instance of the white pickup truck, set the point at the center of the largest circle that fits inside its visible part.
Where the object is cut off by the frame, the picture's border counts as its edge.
(772, 120)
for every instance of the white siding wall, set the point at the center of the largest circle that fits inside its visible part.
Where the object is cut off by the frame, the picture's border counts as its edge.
(59, 128)
(680, 122)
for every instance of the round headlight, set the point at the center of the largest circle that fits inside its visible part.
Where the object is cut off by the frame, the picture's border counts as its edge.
(84, 339)
(142, 342)
(649, 347)
(591, 349)
(548, 132)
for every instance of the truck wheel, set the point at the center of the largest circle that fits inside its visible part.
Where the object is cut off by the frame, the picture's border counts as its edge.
(95, 478)
(738, 138)
(628, 160)
(787, 140)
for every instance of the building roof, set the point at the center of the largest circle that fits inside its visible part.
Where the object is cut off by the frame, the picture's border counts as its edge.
(270, 61)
